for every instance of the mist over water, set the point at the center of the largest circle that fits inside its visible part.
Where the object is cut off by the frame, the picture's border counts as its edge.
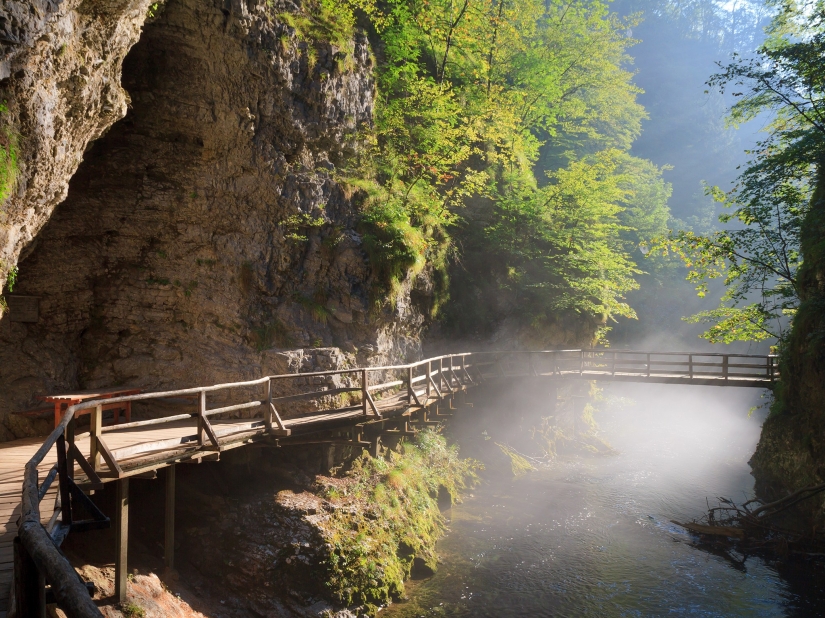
(592, 536)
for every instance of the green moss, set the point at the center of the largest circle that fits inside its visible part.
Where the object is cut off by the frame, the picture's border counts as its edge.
(315, 305)
(132, 610)
(274, 332)
(372, 547)
(9, 153)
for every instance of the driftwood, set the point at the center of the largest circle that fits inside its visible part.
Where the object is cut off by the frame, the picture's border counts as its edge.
(725, 531)
(752, 526)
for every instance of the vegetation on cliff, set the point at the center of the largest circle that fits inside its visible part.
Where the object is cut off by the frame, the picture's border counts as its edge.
(499, 153)
(774, 223)
(385, 514)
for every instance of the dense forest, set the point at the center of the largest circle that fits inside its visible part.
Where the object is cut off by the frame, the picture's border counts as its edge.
(500, 159)
(508, 159)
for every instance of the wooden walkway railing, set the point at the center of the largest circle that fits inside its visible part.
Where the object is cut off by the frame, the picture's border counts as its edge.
(282, 408)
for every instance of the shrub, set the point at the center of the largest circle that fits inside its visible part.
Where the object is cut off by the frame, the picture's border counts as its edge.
(372, 547)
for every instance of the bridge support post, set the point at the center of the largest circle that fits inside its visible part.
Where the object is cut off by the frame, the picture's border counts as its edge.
(122, 539)
(169, 515)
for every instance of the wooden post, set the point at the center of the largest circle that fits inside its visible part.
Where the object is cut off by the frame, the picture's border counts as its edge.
(29, 595)
(268, 406)
(70, 431)
(201, 411)
(429, 377)
(364, 391)
(769, 366)
(690, 365)
(169, 536)
(409, 386)
(95, 425)
(725, 366)
(122, 538)
(648, 364)
(64, 477)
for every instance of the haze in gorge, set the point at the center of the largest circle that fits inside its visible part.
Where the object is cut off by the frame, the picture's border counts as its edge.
(412, 307)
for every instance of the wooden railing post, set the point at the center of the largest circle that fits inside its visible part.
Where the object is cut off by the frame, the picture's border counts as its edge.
(648, 364)
(201, 412)
(95, 425)
(364, 392)
(429, 378)
(769, 367)
(268, 406)
(690, 365)
(63, 479)
(409, 386)
(725, 366)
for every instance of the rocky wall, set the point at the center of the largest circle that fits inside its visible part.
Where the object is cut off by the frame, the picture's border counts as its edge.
(60, 67)
(206, 232)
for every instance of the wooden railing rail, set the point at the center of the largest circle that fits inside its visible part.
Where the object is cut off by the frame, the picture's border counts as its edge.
(37, 553)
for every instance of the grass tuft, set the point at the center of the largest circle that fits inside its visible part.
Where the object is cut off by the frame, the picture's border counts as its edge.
(9, 153)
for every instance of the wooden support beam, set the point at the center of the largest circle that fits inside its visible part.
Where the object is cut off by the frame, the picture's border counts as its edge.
(169, 536)
(122, 539)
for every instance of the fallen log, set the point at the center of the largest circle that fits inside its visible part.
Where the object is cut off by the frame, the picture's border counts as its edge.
(727, 531)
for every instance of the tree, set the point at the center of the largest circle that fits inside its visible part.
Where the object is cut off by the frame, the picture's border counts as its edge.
(760, 257)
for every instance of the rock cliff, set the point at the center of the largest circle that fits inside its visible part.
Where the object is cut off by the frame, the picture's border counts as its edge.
(60, 66)
(791, 450)
(207, 230)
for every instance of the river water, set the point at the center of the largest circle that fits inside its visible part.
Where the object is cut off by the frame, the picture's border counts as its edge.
(592, 536)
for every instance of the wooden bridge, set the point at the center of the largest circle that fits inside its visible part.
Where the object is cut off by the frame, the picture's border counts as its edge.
(351, 406)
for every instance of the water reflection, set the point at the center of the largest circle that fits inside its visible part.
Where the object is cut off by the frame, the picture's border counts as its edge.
(593, 536)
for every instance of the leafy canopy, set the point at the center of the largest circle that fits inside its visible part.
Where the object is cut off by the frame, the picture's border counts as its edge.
(758, 254)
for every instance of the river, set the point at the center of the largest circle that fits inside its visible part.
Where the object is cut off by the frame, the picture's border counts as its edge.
(592, 536)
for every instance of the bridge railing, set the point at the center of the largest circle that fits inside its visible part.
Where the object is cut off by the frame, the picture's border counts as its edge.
(608, 363)
(273, 403)
(37, 555)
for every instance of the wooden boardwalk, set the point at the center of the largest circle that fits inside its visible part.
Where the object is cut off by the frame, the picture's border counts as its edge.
(294, 408)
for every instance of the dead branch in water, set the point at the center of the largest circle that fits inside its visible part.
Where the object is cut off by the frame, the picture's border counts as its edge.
(755, 529)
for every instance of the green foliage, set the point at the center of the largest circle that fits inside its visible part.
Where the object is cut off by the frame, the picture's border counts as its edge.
(296, 226)
(371, 547)
(758, 255)
(132, 610)
(271, 333)
(9, 153)
(475, 100)
(315, 305)
(332, 21)
(11, 278)
(518, 463)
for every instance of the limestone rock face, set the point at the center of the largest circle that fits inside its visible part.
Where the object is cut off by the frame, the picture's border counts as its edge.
(60, 66)
(207, 232)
